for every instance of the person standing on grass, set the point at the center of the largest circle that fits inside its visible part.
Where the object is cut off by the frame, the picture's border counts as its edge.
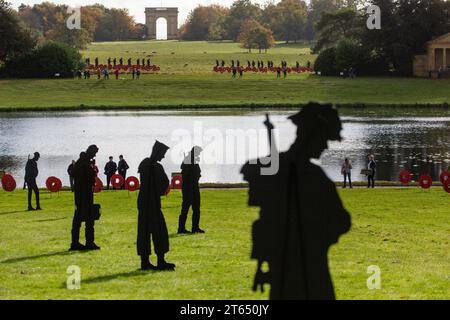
(123, 167)
(234, 72)
(84, 181)
(70, 173)
(278, 72)
(31, 173)
(116, 72)
(371, 165)
(241, 72)
(346, 171)
(151, 223)
(133, 73)
(138, 74)
(110, 170)
(99, 74)
(191, 174)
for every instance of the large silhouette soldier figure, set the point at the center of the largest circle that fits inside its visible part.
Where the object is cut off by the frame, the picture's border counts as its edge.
(151, 222)
(84, 180)
(31, 173)
(191, 174)
(301, 213)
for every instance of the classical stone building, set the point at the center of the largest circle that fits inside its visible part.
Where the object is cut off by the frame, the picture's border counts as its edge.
(437, 59)
(171, 16)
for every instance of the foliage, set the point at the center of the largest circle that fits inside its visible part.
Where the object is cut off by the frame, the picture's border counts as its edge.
(200, 22)
(45, 61)
(255, 36)
(326, 62)
(14, 40)
(407, 26)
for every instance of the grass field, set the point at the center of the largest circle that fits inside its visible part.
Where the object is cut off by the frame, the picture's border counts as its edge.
(186, 79)
(403, 231)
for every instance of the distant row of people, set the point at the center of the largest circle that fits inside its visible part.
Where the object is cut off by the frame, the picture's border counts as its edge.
(259, 64)
(135, 73)
(114, 62)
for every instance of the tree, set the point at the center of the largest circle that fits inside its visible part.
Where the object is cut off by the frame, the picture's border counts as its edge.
(200, 20)
(316, 9)
(255, 36)
(241, 11)
(334, 26)
(115, 25)
(287, 19)
(14, 40)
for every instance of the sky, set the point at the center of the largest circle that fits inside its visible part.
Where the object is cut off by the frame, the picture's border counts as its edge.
(137, 7)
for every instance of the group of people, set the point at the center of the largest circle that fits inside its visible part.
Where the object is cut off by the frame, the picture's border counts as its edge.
(259, 64)
(154, 183)
(346, 171)
(119, 62)
(104, 71)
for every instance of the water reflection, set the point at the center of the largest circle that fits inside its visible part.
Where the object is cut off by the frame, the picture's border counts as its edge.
(421, 144)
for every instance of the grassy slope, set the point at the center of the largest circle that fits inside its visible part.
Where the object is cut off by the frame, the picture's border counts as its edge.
(186, 79)
(404, 231)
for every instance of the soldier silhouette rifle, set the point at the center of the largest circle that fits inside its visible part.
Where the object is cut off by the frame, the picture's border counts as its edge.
(296, 227)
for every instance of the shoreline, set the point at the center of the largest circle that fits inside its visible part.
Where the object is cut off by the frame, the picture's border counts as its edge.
(214, 107)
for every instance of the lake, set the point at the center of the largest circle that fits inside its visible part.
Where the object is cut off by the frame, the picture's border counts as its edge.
(419, 143)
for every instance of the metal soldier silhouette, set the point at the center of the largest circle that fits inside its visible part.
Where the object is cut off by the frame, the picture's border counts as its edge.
(301, 213)
(191, 174)
(151, 222)
(84, 180)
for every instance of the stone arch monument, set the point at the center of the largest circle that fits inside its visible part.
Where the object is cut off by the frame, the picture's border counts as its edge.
(171, 16)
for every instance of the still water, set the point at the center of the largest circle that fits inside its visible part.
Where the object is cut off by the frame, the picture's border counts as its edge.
(421, 144)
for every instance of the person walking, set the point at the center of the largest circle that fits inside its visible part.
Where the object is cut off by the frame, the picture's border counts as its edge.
(110, 170)
(372, 165)
(105, 74)
(31, 173)
(346, 171)
(84, 180)
(191, 174)
(151, 223)
(70, 173)
(123, 167)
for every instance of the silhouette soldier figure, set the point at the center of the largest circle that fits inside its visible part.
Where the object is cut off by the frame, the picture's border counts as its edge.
(123, 167)
(84, 180)
(31, 173)
(301, 213)
(151, 222)
(110, 170)
(191, 173)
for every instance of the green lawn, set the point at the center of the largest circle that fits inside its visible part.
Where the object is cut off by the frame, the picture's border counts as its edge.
(403, 231)
(187, 79)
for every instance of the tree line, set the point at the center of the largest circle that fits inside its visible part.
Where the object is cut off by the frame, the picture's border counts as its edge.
(345, 42)
(286, 20)
(98, 23)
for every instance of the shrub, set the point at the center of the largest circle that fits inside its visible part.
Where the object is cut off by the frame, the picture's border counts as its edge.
(45, 61)
(326, 62)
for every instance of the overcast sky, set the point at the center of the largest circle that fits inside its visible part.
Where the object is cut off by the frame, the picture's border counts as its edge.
(137, 7)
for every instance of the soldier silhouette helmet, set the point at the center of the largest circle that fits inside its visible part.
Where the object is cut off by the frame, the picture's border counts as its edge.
(317, 118)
